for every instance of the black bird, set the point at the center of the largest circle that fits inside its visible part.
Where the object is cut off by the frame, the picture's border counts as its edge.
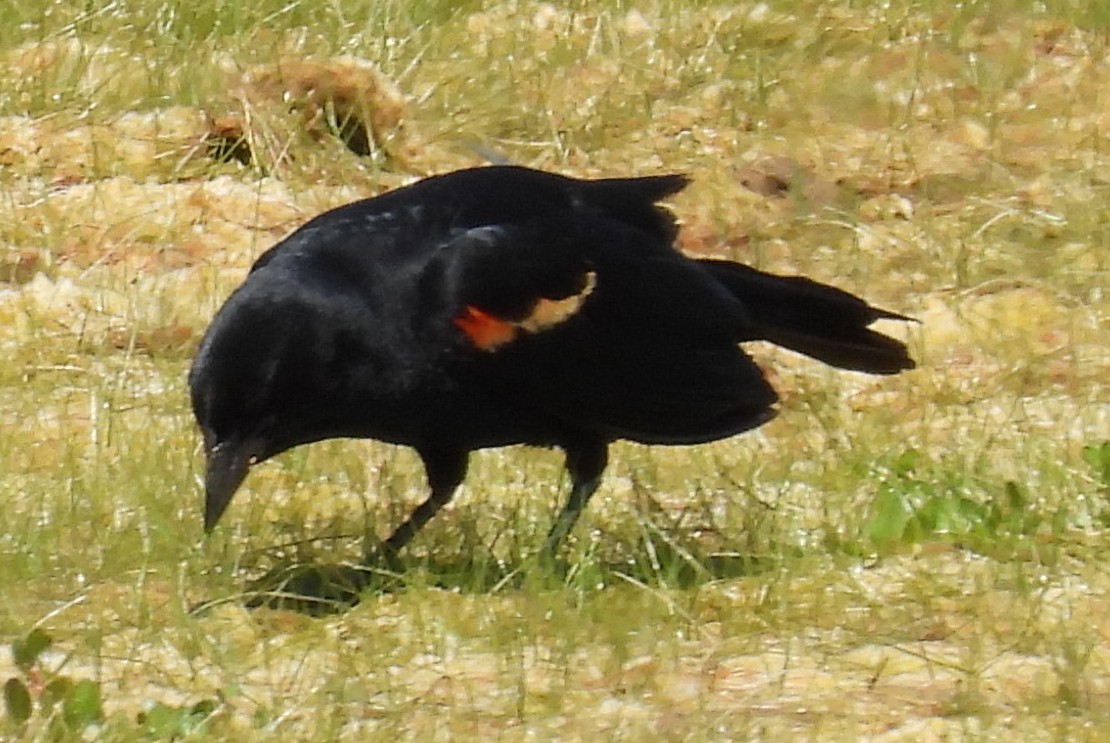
(504, 305)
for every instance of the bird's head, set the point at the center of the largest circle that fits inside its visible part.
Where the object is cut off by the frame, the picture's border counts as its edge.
(253, 383)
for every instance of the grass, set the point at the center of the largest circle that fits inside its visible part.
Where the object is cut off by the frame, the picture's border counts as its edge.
(910, 558)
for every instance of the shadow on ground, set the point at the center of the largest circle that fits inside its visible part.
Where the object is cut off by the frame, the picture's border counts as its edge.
(320, 588)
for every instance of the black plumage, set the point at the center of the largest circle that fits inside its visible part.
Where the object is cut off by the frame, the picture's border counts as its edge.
(499, 306)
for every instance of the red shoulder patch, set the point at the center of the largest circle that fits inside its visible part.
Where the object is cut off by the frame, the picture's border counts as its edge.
(485, 331)
(489, 333)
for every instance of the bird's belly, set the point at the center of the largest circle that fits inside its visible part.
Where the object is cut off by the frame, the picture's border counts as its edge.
(465, 421)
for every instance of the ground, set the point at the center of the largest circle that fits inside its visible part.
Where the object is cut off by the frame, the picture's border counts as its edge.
(902, 558)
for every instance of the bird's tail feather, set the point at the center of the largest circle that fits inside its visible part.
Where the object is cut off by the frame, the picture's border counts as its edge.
(815, 319)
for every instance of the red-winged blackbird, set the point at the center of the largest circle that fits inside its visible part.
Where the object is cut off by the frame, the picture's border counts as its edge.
(503, 305)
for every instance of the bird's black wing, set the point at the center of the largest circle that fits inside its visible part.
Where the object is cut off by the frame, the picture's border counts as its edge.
(580, 318)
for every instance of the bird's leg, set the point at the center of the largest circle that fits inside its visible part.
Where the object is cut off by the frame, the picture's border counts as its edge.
(445, 469)
(323, 588)
(585, 463)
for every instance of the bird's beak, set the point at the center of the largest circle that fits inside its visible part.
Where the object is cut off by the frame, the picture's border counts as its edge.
(227, 465)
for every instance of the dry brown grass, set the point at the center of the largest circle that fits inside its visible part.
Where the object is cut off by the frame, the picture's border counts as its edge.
(917, 558)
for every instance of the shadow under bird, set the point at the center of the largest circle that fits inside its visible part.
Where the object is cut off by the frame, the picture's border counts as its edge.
(503, 305)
